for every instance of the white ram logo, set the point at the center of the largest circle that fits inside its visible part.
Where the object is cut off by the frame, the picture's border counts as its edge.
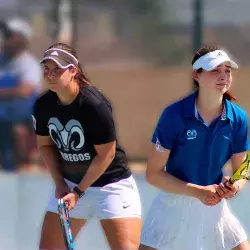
(62, 136)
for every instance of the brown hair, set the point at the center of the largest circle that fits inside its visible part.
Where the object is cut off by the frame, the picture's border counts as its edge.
(81, 77)
(201, 52)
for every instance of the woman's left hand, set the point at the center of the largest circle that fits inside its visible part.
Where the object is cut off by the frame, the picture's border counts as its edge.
(226, 189)
(71, 200)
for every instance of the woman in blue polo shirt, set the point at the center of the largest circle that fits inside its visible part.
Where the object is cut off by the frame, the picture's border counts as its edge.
(193, 140)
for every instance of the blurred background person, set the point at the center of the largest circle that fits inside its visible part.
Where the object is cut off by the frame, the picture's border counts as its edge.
(136, 53)
(20, 78)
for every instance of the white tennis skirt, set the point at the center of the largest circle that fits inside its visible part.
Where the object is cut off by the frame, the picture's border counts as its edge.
(115, 200)
(176, 222)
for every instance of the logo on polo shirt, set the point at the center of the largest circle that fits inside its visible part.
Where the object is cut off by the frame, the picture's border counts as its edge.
(191, 134)
(158, 146)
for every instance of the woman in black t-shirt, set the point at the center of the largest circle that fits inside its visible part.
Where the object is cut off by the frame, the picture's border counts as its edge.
(77, 141)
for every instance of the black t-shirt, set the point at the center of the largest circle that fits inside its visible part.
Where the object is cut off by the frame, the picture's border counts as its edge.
(76, 128)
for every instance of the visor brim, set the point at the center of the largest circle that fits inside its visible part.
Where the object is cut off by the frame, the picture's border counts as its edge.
(60, 62)
(217, 62)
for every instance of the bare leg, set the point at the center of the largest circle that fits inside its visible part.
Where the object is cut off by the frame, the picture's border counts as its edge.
(243, 246)
(122, 233)
(51, 235)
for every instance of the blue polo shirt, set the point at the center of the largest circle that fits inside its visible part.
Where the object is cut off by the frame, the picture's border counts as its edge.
(199, 152)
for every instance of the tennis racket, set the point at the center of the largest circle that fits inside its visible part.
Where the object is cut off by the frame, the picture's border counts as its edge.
(242, 172)
(65, 224)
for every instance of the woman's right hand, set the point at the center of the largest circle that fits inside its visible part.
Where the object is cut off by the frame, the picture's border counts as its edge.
(62, 189)
(209, 196)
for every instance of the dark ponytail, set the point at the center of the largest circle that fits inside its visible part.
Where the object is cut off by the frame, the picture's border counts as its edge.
(201, 52)
(81, 78)
(228, 95)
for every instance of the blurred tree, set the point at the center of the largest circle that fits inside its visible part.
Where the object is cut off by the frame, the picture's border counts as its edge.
(198, 24)
(54, 23)
(156, 33)
(64, 21)
(75, 21)
(146, 22)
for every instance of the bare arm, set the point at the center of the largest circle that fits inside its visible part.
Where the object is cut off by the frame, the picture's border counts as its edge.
(8, 92)
(51, 158)
(24, 90)
(104, 157)
(237, 160)
(226, 189)
(157, 176)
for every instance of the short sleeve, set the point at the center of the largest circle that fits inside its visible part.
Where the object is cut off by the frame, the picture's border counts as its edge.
(165, 131)
(28, 70)
(240, 137)
(39, 120)
(101, 124)
(31, 74)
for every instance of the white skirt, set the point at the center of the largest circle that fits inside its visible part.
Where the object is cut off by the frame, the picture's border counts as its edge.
(176, 222)
(115, 200)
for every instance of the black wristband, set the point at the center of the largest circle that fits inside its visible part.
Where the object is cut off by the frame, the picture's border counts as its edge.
(79, 192)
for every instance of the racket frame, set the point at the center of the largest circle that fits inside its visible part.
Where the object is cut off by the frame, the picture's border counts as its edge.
(65, 224)
(245, 166)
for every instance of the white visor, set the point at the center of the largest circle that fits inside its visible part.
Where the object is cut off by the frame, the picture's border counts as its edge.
(212, 60)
